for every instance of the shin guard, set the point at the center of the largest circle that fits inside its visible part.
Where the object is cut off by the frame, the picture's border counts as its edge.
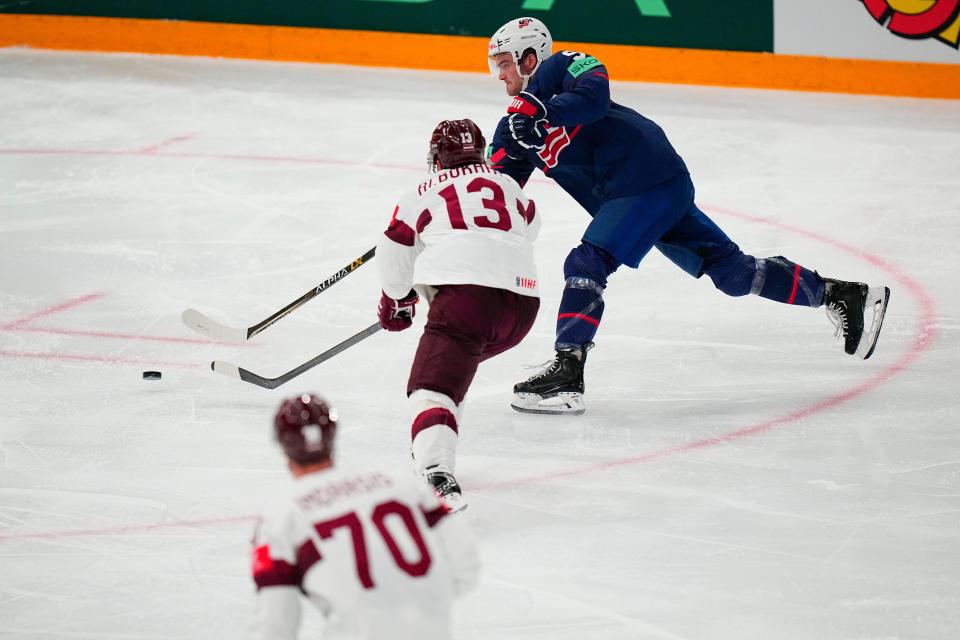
(737, 274)
(585, 270)
(784, 281)
(581, 308)
(434, 430)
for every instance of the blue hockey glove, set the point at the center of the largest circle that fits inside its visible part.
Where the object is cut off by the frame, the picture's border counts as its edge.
(512, 148)
(527, 116)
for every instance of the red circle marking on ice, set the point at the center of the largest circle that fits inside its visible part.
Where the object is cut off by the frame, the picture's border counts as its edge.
(917, 347)
(920, 343)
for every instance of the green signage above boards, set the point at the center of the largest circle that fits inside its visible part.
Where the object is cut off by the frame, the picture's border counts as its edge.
(737, 25)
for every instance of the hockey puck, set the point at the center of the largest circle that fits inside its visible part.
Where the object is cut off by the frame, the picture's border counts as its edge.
(151, 375)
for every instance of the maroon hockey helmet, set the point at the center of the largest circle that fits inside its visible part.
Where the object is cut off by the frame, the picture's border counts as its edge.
(455, 143)
(305, 427)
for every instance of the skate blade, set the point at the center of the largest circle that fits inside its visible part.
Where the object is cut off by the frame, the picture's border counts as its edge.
(564, 403)
(877, 299)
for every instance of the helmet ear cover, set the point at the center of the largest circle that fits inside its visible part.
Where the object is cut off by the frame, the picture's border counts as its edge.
(455, 143)
(529, 51)
(305, 427)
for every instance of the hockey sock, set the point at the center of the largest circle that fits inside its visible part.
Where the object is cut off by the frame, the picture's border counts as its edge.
(784, 281)
(434, 431)
(581, 308)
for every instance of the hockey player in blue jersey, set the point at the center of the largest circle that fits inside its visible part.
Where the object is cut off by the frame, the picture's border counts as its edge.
(620, 167)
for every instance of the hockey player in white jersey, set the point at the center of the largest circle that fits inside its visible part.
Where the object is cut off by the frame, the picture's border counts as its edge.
(463, 240)
(377, 553)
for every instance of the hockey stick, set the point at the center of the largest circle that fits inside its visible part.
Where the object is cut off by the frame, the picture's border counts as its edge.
(206, 326)
(233, 371)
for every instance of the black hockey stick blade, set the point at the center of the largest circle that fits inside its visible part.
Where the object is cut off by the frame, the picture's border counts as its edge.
(233, 371)
(206, 326)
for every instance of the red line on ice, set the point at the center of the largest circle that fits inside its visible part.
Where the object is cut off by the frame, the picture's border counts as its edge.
(129, 528)
(209, 156)
(20, 326)
(80, 357)
(920, 343)
(154, 148)
(43, 313)
(122, 336)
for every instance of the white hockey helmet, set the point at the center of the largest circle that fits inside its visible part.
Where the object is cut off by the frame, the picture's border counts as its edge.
(517, 36)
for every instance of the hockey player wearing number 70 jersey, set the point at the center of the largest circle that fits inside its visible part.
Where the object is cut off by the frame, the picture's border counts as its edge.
(377, 553)
(463, 240)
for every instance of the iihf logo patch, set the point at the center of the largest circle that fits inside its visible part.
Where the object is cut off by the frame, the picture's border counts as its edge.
(526, 283)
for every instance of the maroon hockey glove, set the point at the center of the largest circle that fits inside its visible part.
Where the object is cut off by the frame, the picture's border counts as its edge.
(397, 315)
(526, 116)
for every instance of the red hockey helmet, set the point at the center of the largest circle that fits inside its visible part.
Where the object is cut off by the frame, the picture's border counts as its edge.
(455, 143)
(305, 427)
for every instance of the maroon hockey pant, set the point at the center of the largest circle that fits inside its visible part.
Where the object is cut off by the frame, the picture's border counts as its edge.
(466, 325)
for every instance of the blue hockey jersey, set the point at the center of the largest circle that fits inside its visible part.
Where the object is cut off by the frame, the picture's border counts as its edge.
(596, 149)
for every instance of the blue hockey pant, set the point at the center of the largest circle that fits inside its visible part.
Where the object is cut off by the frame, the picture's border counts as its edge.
(624, 230)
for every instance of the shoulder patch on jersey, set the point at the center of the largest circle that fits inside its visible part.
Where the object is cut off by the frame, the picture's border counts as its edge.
(579, 67)
(262, 562)
(272, 572)
(401, 233)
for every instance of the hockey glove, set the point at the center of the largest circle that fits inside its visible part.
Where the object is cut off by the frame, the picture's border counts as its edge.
(527, 116)
(512, 148)
(397, 315)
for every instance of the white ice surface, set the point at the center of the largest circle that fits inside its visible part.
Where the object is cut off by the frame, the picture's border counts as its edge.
(735, 476)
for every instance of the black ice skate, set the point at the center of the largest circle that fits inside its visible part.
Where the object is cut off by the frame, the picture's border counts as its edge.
(558, 389)
(446, 487)
(857, 311)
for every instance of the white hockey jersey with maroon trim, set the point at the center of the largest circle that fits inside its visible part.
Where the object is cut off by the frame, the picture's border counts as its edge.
(377, 553)
(468, 225)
